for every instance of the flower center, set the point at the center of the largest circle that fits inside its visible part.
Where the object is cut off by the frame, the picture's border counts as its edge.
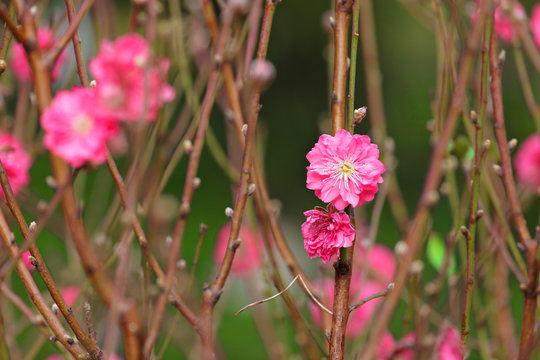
(83, 124)
(345, 168)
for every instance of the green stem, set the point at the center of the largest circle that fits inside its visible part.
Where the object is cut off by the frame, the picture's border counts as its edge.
(475, 178)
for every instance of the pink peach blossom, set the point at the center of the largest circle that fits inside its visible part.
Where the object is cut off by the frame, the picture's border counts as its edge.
(534, 24)
(70, 294)
(247, 257)
(380, 261)
(19, 62)
(124, 75)
(527, 162)
(504, 27)
(344, 169)
(449, 345)
(74, 130)
(16, 162)
(385, 349)
(326, 231)
(359, 318)
(26, 260)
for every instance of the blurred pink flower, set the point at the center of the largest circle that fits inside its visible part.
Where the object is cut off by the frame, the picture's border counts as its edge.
(534, 24)
(70, 294)
(16, 162)
(503, 20)
(527, 162)
(386, 347)
(344, 169)
(26, 260)
(247, 257)
(449, 345)
(121, 69)
(74, 130)
(359, 318)
(389, 349)
(380, 261)
(20, 65)
(325, 231)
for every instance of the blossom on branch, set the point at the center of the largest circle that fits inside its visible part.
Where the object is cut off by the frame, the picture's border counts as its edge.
(19, 62)
(344, 169)
(527, 162)
(326, 231)
(75, 130)
(16, 162)
(129, 85)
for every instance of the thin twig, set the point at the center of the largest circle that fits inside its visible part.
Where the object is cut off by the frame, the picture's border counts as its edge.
(381, 293)
(280, 293)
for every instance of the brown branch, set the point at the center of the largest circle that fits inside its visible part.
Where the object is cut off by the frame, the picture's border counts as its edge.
(81, 68)
(433, 178)
(43, 271)
(31, 288)
(140, 235)
(341, 46)
(71, 31)
(343, 267)
(530, 245)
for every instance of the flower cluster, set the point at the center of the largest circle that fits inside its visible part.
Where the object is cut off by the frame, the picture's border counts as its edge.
(326, 231)
(19, 62)
(129, 87)
(16, 162)
(344, 170)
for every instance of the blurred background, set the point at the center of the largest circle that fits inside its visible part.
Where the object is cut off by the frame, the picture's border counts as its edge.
(295, 112)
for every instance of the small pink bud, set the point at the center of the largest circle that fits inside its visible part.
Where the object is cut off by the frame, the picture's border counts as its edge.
(262, 73)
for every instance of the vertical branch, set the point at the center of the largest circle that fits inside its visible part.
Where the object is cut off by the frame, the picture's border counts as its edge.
(470, 232)
(530, 245)
(343, 267)
(341, 42)
(77, 48)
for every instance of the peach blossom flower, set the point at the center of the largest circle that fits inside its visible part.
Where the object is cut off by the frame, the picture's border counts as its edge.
(16, 162)
(344, 169)
(19, 62)
(247, 257)
(449, 345)
(74, 130)
(122, 70)
(534, 24)
(326, 231)
(527, 162)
